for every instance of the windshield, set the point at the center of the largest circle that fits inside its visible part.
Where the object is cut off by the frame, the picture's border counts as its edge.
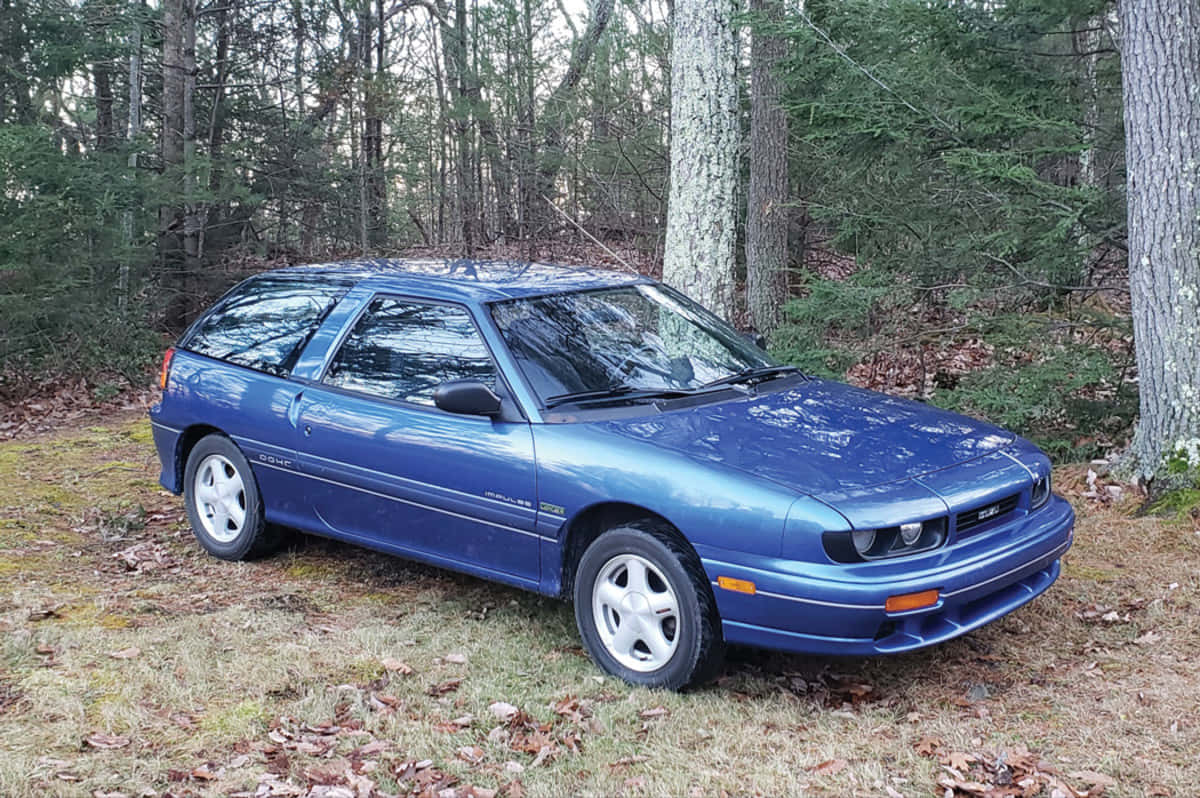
(633, 338)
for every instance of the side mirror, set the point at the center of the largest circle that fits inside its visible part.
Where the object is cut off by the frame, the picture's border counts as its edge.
(756, 338)
(466, 397)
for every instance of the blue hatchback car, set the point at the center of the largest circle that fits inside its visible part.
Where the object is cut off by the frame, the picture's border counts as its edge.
(596, 435)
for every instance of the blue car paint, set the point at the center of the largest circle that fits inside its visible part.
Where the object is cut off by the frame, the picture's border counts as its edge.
(752, 481)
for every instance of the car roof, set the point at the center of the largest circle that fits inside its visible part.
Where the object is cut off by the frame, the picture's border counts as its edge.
(465, 278)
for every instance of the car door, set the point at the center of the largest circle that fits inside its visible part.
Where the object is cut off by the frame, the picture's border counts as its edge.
(389, 469)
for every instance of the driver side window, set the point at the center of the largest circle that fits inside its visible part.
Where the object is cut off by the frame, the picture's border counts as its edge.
(402, 350)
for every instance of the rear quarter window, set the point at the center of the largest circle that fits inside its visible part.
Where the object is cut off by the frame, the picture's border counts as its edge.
(265, 322)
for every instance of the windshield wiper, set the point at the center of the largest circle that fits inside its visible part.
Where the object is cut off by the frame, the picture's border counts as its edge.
(754, 374)
(622, 392)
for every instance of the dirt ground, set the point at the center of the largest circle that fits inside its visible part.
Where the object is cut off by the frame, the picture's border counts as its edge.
(133, 664)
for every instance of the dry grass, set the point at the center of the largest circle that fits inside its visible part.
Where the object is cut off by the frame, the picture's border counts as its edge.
(221, 667)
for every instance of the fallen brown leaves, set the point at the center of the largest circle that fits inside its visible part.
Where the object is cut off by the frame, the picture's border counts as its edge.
(145, 556)
(46, 613)
(104, 741)
(28, 407)
(1013, 774)
(915, 370)
(448, 686)
(833, 690)
(393, 664)
(1095, 483)
(342, 758)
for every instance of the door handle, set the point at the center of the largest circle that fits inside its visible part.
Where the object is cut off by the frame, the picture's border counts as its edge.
(293, 412)
(307, 430)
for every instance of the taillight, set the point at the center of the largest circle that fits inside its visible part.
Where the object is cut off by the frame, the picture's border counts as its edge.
(166, 368)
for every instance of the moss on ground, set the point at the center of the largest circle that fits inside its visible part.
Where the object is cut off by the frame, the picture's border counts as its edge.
(314, 569)
(1176, 503)
(247, 718)
(1090, 572)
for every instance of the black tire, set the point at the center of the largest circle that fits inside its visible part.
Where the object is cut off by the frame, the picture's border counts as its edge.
(254, 538)
(699, 648)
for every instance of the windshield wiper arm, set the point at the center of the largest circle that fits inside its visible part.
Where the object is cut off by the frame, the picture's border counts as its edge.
(751, 375)
(622, 392)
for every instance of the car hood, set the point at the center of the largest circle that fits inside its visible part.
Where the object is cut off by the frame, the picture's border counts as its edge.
(819, 437)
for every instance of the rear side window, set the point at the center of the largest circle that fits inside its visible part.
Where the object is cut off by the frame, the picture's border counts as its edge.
(403, 350)
(265, 322)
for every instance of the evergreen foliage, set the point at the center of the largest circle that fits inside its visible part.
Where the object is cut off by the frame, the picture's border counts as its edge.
(965, 160)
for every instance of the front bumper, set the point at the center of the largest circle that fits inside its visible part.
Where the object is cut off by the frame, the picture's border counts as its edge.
(825, 609)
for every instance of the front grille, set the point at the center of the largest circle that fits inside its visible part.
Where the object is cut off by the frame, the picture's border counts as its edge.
(993, 511)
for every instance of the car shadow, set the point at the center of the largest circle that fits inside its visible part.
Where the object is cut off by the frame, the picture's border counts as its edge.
(831, 680)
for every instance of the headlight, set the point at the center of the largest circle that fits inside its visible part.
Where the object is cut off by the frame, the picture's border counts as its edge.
(863, 539)
(1040, 493)
(879, 544)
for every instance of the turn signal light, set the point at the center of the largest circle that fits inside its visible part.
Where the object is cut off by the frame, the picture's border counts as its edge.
(736, 585)
(166, 368)
(911, 601)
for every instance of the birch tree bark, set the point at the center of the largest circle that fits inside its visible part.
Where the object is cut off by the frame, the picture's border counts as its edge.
(767, 196)
(1160, 71)
(701, 210)
(1086, 41)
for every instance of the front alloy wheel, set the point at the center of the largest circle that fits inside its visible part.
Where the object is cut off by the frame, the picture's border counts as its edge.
(645, 610)
(636, 613)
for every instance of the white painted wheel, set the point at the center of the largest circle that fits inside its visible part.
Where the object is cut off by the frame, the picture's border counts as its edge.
(636, 613)
(220, 496)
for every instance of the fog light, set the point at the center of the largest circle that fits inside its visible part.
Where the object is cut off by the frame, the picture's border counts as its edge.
(1040, 492)
(864, 539)
(911, 533)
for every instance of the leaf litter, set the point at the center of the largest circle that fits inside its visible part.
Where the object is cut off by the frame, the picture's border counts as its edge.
(1016, 773)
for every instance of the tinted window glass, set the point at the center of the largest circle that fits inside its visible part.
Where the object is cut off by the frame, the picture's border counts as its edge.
(265, 323)
(402, 350)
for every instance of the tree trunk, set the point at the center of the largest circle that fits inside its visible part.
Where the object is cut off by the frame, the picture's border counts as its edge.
(527, 184)
(216, 122)
(766, 202)
(193, 217)
(1086, 42)
(170, 246)
(1160, 70)
(556, 117)
(454, 40)
(438, 35)
(701, 209)
(133, 131)
(372, 144)
(106, 135)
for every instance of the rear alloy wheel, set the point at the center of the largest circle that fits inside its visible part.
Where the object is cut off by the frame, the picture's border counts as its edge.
(223, 503)
(220, 498)
(645, 610)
